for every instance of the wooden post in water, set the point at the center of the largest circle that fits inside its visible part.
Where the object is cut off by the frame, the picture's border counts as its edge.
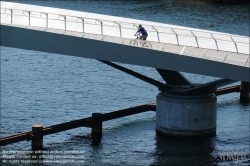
(245, 92)
(37, 137)
(96, 125)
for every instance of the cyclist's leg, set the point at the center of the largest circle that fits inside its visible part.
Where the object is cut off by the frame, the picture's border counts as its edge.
(146, 43)
(144, 37)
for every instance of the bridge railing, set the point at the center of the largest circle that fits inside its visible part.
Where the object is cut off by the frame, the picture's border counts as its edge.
(181, 41)
(123, 29)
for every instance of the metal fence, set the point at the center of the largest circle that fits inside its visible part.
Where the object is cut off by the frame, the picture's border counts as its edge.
(215, 46)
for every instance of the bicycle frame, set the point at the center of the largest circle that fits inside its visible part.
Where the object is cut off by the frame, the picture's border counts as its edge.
(142, 42)
(138, 37)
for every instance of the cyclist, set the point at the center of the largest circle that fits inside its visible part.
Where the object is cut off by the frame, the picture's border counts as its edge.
(143, 32)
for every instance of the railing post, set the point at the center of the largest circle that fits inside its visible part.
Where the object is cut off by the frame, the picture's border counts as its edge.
(176, 36)
(195, 39)
(101, 28)
(120, 27)
(65, 23)
(234, 44)
(156, 33)
(158, 36)
(101, 25)
(47, 20)
(29, 17)
(11, 15)
(236, 47)
(96, 125)
(37, 137)
(82, 25)
(215, 41)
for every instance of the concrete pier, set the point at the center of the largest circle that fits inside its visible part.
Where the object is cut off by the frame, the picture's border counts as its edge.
(186, 116)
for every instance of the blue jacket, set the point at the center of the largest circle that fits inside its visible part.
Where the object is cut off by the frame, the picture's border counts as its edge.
(143, 31)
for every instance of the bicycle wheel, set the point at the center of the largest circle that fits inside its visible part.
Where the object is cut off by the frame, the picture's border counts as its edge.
(134, 43)
(147, 45)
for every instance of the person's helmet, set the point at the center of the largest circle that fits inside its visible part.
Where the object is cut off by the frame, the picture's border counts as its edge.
(140, 26)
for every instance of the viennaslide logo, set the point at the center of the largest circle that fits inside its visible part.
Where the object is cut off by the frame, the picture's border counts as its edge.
(233, 155)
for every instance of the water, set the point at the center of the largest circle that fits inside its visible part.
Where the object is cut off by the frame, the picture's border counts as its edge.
(49, 89)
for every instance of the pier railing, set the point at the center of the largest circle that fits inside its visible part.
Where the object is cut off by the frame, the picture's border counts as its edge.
(94, 122)
(91, 122)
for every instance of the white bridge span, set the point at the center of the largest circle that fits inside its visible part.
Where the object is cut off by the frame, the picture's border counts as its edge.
(108, 38)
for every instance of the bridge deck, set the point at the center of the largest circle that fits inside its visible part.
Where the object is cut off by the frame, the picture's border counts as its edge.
(174, 48)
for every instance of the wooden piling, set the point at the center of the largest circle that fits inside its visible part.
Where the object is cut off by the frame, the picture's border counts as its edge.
(96, 125)
(245, 92)
(37, 137)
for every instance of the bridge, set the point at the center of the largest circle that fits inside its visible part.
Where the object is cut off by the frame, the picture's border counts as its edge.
(183, 108)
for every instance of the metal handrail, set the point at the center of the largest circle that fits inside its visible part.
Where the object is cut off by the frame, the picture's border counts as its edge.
(162, 48)
(103, 20)
(119, 24)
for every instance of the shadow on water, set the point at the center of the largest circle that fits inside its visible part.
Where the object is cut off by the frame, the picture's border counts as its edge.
(184, 151)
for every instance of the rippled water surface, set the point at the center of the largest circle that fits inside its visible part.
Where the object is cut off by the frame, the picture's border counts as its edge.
(49, 89)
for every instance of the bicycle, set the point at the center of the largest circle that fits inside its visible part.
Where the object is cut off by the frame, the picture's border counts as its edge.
(143, 43)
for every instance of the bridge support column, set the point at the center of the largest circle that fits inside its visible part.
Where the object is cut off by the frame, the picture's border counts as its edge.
(186, 116)
(245, 92)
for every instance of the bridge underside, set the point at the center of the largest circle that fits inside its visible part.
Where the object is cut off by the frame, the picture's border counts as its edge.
(175, 82)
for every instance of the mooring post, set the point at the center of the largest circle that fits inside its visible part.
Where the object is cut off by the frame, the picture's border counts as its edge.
(37, 137)
(245, 92)
(96, 125)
